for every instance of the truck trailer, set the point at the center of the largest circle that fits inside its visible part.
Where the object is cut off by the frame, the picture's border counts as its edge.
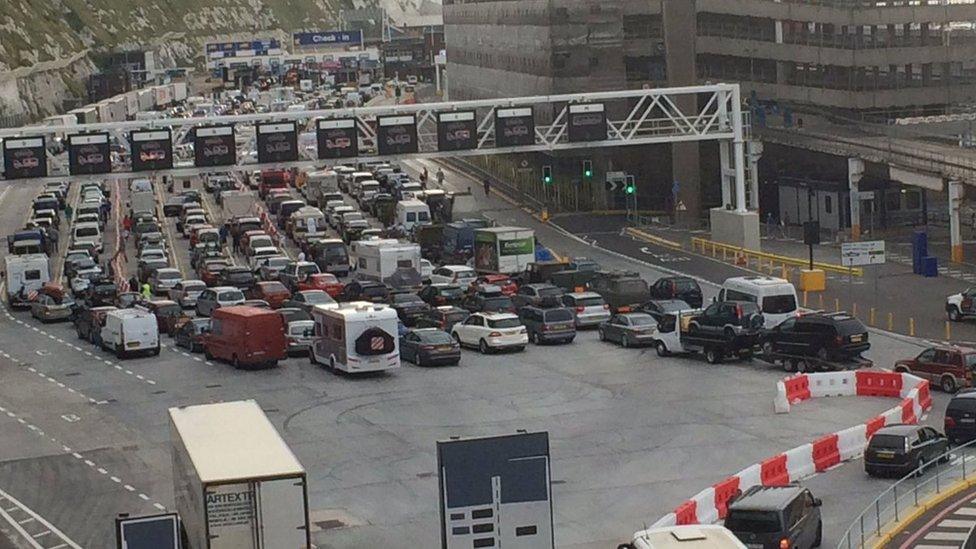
(236, 483)
(506, 250)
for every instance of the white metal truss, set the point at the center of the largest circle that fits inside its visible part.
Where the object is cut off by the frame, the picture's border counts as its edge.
(633, 117)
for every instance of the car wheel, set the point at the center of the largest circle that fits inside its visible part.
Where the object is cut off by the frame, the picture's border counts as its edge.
(418, 359)
(119, 353)
(235, 362)
(457, 339)
(801, 366)
(483, 347)
(206, 354)
(954, 314)
(624, 341)
(767, 348)
(155, 351)
(919, 467)
(819, 539)
(694, 329)
(789, 365)
(729, 333)
(602, 334)
(332, 363)
(823, 355)
(712, 356)
(662, 349)
(949, 384)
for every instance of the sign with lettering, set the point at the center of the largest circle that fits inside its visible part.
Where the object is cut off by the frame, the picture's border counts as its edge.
(327, 38)
(231, 512)
(151, 150)
(457, 131)
(337, 138)
(89, 153)
(514, 127)
(214, 146)
(24, 157)
(587, 122)
(397, 134)
(853, 254)
(277, 142)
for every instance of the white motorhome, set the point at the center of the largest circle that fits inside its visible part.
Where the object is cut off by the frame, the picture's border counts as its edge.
(380, 259)
(236, 482)
(776, 297)
(410, 213)
(356, 337)
(25, 274)
(128, 331)
(319, 183)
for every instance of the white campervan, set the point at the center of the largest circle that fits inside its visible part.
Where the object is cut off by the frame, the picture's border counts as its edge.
(356, 337)
(128, 331)
(776, 297)
(410, 213)
(25, 274)
(380, 259)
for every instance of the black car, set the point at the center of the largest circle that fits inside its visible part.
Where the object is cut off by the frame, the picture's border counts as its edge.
(408, 306)
(729, 319)
(901, 449)
(828, 336)
(622, 290)
(678, 287)
(101, 292)
(548, 325)
(306, 300)
(443, 317)
(658, 308)
(442, 294)
(237, 276)
(87, 321)
(365, 290)
(190, 334)
(773, 517)
(429, 347)
(960, 417)
(493, 302)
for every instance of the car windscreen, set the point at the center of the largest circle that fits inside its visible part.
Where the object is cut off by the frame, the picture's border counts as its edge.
(756, 522)
(239, 276)
(103, 289)
(590, 302)
(888, 442)
(230, 296)
(960, 405)
(273, 287)
(169, 310)
(198, 287)
(307, 269)
(683, 285)
(850, 327)
(779, 304)
(216, 267)
(278, 262)
(504, 323)
(82, 232)
(452, 291)
(168, 275)
(318, 298)
(642, 320)
(303, 330)
(374, 291)
(435, 338)
(455, 317)
(335, 253)
(500, 303)
(407, 298)
(550, 292)
(558, 315)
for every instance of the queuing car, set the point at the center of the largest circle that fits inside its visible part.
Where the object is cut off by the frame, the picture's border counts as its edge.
(326, 282)
(677, 287)
(210, 270)
(408, 306)
(949, 367)
(88, 323)
(50, 307)
(214, 298)
(308, 299)
(190, 334)
(365, 290)
(776, 517)
(168, 314)
(489, 301)
(126, 300)
(622, 290)
(185, 292)
(960, 417)
(439, 294)
(163, 280)
(962, 305)
(443, 317)
(299, 336)
(273, 292)
(237, 276)
(429, 347)
(629, 329)
(902, 449)
(461, 275)
(537, 294)
(101, 291)
(729, 319)
(548, 325)
(590, 308)
(271, 266)
(659, 308)
(503, 282)
(491, 332)
(148, 266)
(827, 336)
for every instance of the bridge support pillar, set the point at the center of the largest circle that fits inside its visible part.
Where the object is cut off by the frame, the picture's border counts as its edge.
(956, 193)
(728, 174)
(755, 150)
(855, 171)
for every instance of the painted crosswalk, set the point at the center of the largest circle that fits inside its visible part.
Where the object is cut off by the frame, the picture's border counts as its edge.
(952, 530)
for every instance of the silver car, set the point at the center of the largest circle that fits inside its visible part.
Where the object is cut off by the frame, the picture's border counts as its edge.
(300, 334)
(215, 298)
(589, 307)
(163, 280)
(186, 292)
(48, 309)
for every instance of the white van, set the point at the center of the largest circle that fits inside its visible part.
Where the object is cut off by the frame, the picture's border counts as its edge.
(692, 536)
(776, 297)
(128, 331)
(87, 232)
(410, 213)
(25, 274)
(140, 185)
(355, 337)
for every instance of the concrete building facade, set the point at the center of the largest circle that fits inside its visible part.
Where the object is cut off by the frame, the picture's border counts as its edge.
(907, 56)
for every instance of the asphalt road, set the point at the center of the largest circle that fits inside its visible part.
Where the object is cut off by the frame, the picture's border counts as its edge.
(632, 435)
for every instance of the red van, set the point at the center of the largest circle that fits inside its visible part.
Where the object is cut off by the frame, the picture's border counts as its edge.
(273, 179)
(246, 337)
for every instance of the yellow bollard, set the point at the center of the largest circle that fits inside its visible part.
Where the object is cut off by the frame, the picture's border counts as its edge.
(725, 253)
(836, 304)
(911, 327)
(713, 250)
(948, 331)
(804, 298)
(871, 322)
(786, 273)
(891, 322)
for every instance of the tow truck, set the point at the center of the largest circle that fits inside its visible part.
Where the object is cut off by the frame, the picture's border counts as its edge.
(674, 337)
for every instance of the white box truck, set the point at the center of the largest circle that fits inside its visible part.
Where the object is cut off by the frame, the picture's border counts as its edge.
(386, 260)
(238, 204)
(506, 250)
(142, 202)
(25, 274)
(237, 484)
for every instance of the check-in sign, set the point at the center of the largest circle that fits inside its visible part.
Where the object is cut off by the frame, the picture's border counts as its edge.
(853, 254)
(89, 153)
(337, 138)
(24, 157)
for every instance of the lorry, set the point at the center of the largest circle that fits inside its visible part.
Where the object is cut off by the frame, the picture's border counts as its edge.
(142, 202)
(235, 203)
(318, 184)
(237, 484)
(386, 260)
(25, 274)
(506, 250)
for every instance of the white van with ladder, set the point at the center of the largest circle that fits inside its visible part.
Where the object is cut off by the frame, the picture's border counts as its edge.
(355, 337)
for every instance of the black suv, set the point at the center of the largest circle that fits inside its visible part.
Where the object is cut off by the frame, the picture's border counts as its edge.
(768, 516)
(678, 287)
(729, 319)
(365, 290)
(409, 306)
(621, 290)
(960, 417)
(441, 294)
(828, 336)
(902, 449)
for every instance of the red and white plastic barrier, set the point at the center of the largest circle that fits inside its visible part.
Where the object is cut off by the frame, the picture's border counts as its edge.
(711, 504)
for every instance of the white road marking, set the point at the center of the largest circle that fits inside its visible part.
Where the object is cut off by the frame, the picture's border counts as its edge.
(950, 523)
(947, 536)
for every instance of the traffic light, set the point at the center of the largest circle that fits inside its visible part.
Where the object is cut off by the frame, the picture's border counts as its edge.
(547, 175)
(631, 187)
(588, 169)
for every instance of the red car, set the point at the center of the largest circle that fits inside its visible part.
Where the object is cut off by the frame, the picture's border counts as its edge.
(272, 291)
(210, 271)
(505, 282)
(322, 281)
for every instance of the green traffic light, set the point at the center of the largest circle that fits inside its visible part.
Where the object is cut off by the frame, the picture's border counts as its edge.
(631, 189)
(588, 173)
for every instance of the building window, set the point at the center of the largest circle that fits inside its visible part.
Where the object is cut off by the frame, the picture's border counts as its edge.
(893, 201)
(639, 26)
(913, 200)
(828, 204)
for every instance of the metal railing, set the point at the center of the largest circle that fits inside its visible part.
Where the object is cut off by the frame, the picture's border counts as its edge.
(908, 494)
